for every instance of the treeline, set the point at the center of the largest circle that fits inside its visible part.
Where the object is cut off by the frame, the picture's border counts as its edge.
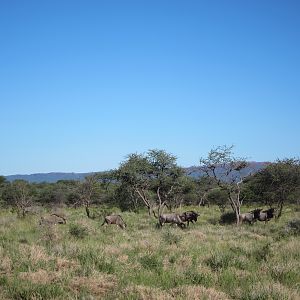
(154, 180)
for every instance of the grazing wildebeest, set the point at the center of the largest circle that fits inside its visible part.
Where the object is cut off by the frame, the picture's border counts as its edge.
(249, 217)
(266, 215)
(189, 216)
(114, 219)
(52, 220)
(171, 218)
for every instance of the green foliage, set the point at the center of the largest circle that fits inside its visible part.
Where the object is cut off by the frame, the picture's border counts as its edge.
(262, 252)
(219, 261)
(169, 237)
(293, 227)
(17, 289)
(277, 184)
(151, 262)
(78, 231)
(228, 218)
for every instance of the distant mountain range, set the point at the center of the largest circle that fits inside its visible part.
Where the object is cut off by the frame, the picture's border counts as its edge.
(194, 172)
(252, 168)
(48, 177)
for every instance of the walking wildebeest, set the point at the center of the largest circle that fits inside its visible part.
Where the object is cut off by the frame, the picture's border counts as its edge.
(189, 216)
(114, 219)
(266, 215)
(249, 217)
(171, 218)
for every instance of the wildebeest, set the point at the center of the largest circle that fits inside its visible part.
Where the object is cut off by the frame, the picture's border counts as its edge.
(250, 217)
(52, 220)
(171, 218)
(114, 219)
(266, 215)
(189, 216)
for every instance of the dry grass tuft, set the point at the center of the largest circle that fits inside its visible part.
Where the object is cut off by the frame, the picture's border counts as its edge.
(147, 293)
(40, 276)
(34, 252)
(273, 291)
(183, 263)
(193, 292)
(197, 235)
(98, 285)
(65, 264)
(112, 250)
(123, 258)
(5, 265)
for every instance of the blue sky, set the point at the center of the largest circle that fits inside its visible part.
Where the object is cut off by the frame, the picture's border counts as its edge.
(84, 83)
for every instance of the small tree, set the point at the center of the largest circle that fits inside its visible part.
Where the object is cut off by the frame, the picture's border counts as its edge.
(86, 191)
(3, 184)
(20, 194)
(226, 170)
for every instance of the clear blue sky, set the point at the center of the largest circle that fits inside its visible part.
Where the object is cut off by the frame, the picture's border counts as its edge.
(84, 83)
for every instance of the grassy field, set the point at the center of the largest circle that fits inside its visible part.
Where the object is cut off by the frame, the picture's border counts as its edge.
(81, 260)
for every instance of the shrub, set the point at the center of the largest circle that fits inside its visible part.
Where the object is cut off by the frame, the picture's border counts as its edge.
(293, 227)
(171, 238)
(262, 253)
(78, 231)
(228, 218)
(194, 277)
(151, 263)
(219, 261)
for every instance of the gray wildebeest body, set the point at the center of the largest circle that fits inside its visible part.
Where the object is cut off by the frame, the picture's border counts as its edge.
(172, 219)
(249, 217)
(266, 215)
(189, 216)
(114, 219)
(52, 220)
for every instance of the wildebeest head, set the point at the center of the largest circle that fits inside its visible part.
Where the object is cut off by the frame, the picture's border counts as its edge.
(256, 213)
(189, 216)
(270, 212)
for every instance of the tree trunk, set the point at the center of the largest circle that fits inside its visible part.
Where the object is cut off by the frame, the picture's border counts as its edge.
(87, 210)
(280, 209)
(237, 215)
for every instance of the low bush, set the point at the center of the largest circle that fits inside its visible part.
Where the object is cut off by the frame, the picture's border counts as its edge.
(78, 231)
(228, 218)
(293, 227)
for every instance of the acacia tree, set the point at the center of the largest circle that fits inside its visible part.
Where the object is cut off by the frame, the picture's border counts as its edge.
(134, 174)
(226, 170)
(278, 182)
(20, 193)
(167, 178)
(152, 177)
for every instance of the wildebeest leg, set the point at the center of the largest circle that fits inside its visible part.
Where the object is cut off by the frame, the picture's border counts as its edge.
(182, 225)
(103, 222)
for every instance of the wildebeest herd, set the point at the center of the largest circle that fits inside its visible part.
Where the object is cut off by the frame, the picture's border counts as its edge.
(182, 220)
(257, 214)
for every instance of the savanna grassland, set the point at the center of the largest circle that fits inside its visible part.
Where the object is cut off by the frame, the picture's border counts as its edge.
(82, 260)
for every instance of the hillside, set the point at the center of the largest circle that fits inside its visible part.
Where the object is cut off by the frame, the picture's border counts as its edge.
(48, 177)
(55, 176)
(252, 168)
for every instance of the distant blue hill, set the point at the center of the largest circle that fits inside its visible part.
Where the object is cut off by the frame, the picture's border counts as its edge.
(48, 177)
(252, 168)
(194, 172)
